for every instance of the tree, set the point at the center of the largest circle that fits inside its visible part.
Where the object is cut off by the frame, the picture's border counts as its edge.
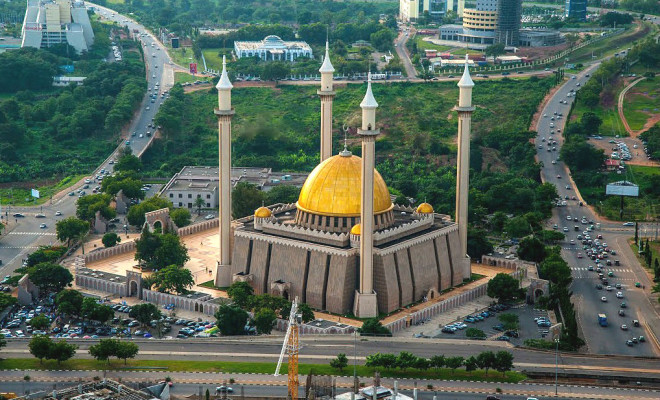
(49, 277)
(264, 320)
(40, 322)
(509, 320)
(126, 350)
(136, 213)
(174, 279)
(69, 302)
(102, 313)
(71, 228)
(373, 327)
(382, 40)
(478, 244)
(503, 287)
(128, 162)
(486, 360)
(503, 361)
(531, 249)
(518, 227)
(590, 123)
(474, 333)
(282, 194)
(127, 183)
(181, 216)
(110, 239)
(231, 320)
(438, 361)
(551, 237)
(145, 313)
(104, 349)
(471, 364)
(87, 206)
(62, 351)
(199, 203)
(307, 313)
(405, 360)
(240, 293)
(340, 362)
(495, 50)
(245, 198)
(40, 347)
(158, 250)
(454, 362)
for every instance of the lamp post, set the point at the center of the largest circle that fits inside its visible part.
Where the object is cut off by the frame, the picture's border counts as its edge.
(355, 382)
(556, 363)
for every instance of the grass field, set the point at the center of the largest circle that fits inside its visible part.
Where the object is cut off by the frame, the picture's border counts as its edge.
(115, 1)
(182, 56)
(213, 60)
(182, 77)
(424, 45)
(22, 196)
(642, 100)
(612, 44)
(258, 368)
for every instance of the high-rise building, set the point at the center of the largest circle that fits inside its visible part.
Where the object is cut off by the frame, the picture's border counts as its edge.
(508, 22)
(576, 9)
(51, 22)
(411, 10)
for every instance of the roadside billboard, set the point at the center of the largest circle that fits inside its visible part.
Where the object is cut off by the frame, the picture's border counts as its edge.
(193, 68)
(35, 193)
(622, 188)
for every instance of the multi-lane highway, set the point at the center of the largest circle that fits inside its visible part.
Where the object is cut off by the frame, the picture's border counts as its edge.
(24, 234)
(590, 301)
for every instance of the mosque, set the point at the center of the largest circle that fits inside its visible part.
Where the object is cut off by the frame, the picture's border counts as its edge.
(322, 249)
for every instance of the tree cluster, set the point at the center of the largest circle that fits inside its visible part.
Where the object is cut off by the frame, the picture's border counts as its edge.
(136, 213)
(45, 348)
(501, 361)
(49, 277)
(159, 250)
(71, 228)
(145, 313)
(27, 69)
(106, 348)
(504, 288)
(87, 206)
(45, 254)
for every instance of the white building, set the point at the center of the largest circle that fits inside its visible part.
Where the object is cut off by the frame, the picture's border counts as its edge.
(273, 48)
(408, 10)
(52, 22)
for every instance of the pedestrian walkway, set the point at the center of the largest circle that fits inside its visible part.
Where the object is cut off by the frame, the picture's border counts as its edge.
(33, 233)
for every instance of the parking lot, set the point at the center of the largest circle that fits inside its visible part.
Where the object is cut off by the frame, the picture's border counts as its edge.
(17, 325)
(487, 321)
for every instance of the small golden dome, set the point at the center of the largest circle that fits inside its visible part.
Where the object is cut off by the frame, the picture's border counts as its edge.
(424, 208)
(356, 229)
(263, 212)
(333, 189)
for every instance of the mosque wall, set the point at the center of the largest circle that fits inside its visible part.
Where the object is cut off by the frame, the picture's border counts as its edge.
(424, 270)
(241, 256)
(386, 283)
(316, 278)
(259, 265)
(288, 264)
(442, 253)
(405, 278)
(457, 258)
(341, 285)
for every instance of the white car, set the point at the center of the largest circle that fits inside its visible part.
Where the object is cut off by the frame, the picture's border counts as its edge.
(43, 226)
(210, 216)
(603, 299)
(619, 295)
(568, 218)
(58, 213)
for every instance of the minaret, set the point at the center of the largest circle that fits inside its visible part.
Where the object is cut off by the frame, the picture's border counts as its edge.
(465, 110)
(365, 305)
(225, 113)
(327, 95)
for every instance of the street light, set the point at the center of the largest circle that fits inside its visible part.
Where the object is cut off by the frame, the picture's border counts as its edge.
(126, 230)
(556, 363)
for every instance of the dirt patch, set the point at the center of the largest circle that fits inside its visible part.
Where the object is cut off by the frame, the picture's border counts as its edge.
(490, 160)
(538, 53)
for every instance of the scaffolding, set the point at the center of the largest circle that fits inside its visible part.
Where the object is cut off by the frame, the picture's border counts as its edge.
(291, 347)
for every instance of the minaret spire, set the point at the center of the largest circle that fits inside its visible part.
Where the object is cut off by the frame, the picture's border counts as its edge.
(464, 110)
(224, 112)
(327, 95)
(365, 305)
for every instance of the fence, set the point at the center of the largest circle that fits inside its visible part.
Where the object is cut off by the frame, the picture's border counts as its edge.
(445, 305)
(199, 227)
(306, 329)
(109, 252)
(198, 304)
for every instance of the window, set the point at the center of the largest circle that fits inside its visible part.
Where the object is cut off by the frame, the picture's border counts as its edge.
(171, 195)
(180, 195)
(189, 195)
(208, 205)
(208, 196)
(180, 204)
(190, 205)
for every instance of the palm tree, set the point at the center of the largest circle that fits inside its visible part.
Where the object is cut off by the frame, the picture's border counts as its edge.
(199, 203)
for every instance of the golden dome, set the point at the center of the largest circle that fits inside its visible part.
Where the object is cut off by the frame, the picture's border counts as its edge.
(356, 229)
(424, 208)
(333, 189)
(262, 212)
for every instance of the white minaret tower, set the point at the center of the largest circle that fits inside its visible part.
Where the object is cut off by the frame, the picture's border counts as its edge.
(465, 110)
(327, 95)
(365, 305)
(225, 113)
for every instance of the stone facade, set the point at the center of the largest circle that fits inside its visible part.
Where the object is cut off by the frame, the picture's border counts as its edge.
(321, 268)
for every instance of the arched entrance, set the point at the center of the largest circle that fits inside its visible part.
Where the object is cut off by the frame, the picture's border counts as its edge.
(158, 227)
(537, 294)
(133, 289)
(285, 294)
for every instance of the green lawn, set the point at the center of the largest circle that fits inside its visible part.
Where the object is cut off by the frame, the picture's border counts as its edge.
(22, 196)
(182, 56)
(611, 45)
(115, 1)
(213, 60)
(641, 101)
(182, 77)
(611, 125)
(259, 368)
(424, 45)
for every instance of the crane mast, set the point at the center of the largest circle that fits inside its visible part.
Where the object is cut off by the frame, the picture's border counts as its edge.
(291, 347)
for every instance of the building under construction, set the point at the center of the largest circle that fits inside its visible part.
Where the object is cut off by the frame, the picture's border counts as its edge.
(509, 13)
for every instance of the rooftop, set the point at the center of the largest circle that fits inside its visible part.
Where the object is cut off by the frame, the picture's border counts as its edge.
(105, 390)
(205, 179)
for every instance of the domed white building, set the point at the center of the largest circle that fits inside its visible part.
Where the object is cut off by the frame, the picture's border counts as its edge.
(273, 48)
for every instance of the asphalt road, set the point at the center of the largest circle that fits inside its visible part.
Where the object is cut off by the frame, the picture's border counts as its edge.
(587, 299)
(399, 45)
(23, 235)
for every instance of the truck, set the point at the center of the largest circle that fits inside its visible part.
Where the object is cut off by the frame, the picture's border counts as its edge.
(602, 320)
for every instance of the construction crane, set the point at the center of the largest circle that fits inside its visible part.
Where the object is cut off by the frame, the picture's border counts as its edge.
(291, 347)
